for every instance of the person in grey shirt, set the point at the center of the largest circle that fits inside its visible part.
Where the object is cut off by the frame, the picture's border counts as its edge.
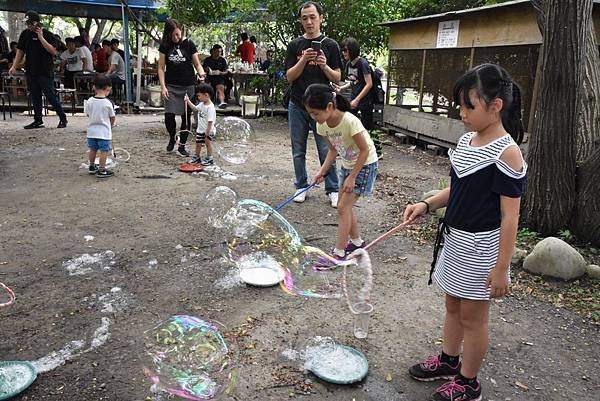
(116, 66)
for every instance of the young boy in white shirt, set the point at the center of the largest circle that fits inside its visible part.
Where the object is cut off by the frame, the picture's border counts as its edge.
(101, 115)
(207, 116)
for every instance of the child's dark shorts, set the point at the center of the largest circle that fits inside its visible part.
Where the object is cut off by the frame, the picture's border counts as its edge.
(201, 137)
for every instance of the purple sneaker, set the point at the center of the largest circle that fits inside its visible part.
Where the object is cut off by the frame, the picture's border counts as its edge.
(350, 247)
(323, 263)
(456, 390)
(433, 369)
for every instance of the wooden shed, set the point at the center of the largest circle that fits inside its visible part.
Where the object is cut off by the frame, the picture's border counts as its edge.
(427, 55)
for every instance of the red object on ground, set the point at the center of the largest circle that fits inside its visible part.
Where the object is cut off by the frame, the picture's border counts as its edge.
(191, 167)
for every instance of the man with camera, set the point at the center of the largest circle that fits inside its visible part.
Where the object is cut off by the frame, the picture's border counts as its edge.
(38, 46)
(311, 58)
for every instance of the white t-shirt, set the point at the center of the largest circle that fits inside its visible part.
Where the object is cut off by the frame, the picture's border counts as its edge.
(74, 61)
(116, 60)
(87, 54)
(99, 111)
(206, 113)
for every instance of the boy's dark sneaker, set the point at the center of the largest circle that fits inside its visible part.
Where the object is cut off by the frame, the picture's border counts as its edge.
(207, 161)
(92, 169)
(62, 123)
(433, 369)
(171, 145)
(35, 124)
(455, 390)
(196, 159)
(104, 173)
(350, 247)
(181, 150)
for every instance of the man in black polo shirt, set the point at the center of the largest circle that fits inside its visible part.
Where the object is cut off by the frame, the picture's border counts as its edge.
(38, 45)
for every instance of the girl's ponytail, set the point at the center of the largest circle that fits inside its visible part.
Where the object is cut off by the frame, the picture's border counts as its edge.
(318, 96)
(341, 103)
(512, 118)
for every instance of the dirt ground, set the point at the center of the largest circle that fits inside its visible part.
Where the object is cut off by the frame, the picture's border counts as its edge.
(49, 204)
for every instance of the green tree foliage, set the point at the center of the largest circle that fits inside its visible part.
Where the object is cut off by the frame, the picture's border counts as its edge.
(343, 18)
(417, 8)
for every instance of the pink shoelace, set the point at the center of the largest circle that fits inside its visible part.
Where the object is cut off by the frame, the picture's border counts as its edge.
(432, 363)
(450, 388)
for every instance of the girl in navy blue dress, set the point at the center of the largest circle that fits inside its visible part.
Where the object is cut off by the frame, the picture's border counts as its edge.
(479, 229)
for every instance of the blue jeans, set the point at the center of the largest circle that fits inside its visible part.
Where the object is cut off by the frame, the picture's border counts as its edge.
(300, 123)
(39, 84)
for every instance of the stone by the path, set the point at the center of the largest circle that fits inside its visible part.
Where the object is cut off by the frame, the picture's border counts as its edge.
(555, 258)
(593, 271)
(518, 256)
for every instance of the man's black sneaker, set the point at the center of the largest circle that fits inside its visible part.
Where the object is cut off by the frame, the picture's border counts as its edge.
(181, 150)
(433, 369)
(171, 145)
(35, 124)
(92, 169)
(456, 390)
(104, 173)
(62, 123)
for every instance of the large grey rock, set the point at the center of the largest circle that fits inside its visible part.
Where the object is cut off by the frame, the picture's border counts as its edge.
(555, 258)
(593, 271)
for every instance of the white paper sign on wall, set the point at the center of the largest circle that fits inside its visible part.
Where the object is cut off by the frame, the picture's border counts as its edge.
(448, 33)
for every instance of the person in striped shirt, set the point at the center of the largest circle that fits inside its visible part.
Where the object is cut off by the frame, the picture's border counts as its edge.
(477, 235)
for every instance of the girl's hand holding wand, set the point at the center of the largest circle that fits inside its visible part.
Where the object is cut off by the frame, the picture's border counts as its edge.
(414, 211)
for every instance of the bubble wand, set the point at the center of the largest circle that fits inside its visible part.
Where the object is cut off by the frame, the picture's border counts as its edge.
(288, 200)
(11, 296)
(386, 235)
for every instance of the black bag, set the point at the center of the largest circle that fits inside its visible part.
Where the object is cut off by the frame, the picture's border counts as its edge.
(377, 93)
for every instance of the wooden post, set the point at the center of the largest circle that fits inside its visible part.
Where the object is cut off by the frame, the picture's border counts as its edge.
(422, 80)
(472, 55)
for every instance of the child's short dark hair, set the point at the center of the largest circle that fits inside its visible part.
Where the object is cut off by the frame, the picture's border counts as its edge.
(205, 88)
(102, 82)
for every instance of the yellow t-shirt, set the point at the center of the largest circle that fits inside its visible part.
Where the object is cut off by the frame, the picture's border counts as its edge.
(341, 138)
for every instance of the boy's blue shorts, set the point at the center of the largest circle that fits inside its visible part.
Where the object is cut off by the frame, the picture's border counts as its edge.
(103, 145)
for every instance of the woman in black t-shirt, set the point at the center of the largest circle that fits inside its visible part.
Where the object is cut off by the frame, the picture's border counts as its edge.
(180, 56)
(358, 72)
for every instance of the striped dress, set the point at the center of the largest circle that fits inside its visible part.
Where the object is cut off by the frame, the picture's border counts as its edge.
(471, 232)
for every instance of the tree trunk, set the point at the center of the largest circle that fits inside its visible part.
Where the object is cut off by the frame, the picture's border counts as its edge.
(588, 131)
(586, 224)
(100, 24)
(550, 197)
(15, 25)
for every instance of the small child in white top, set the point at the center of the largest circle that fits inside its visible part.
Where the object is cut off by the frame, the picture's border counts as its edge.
(101, 115)
(206, 117)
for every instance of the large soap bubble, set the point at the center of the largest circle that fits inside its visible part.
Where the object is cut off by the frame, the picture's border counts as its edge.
(219, 200)
(188, 357)
(235, 140)
(261, 236)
